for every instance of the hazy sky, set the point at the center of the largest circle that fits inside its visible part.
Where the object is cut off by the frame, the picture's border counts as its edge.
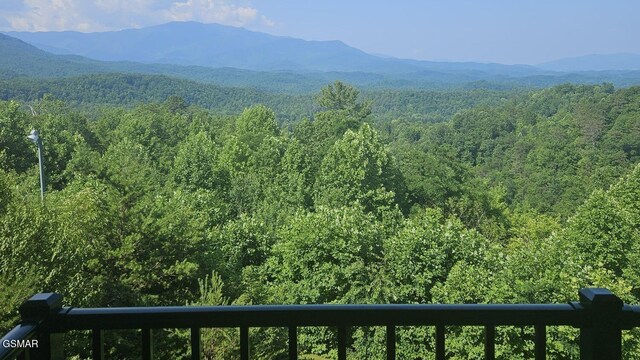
(504, 31)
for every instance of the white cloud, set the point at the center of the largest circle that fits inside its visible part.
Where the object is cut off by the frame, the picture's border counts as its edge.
(218, 11)
(267, 22)
(101, 15)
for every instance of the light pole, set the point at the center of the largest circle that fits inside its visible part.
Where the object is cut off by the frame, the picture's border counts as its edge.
(33, 136)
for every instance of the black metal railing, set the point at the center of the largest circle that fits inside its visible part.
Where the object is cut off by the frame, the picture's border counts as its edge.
(600, 315)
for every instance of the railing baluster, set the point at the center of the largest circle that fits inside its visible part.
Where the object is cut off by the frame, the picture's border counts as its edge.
(489, 342)
(56, 346)
(244, 343)
(147, 344)
(196, 347)
(25, 355)
(293, 343)
(342, 343)
(541, 342)
(97, 344)
(391, 342)
(440, 331)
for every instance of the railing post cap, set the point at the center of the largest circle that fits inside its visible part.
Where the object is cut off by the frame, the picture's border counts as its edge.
(40, 305)
(599, 297)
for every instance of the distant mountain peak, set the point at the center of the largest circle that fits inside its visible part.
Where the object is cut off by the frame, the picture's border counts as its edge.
(207, 44)
(216, 46)
(595, 62)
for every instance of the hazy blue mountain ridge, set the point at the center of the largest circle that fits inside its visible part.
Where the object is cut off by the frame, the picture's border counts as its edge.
(214, 45)
(23, 59)
(308, 65)
(595, 62)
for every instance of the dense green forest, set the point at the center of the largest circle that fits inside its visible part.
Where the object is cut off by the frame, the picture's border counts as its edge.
(471, 196)
(91, 91)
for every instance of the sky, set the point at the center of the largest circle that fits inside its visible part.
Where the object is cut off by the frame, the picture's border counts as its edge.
(501, 31)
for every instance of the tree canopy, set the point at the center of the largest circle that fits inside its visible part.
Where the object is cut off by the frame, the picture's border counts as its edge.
(522, 199)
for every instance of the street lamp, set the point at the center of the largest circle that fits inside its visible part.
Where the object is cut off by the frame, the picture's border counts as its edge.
(33, 136)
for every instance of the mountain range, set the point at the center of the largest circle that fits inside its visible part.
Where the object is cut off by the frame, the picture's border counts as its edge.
(214, 45)
(231, 56)
(594, 62)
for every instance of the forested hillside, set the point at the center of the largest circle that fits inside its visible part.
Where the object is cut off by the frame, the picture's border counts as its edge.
(459, 197)
(546, 151)
(92, 91)
(29, 66)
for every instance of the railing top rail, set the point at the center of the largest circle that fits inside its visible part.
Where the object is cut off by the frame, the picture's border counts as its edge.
(631, 317)
(317, 315)
(599, 314)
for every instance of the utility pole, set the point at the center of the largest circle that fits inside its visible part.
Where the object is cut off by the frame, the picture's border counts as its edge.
(33, 136)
